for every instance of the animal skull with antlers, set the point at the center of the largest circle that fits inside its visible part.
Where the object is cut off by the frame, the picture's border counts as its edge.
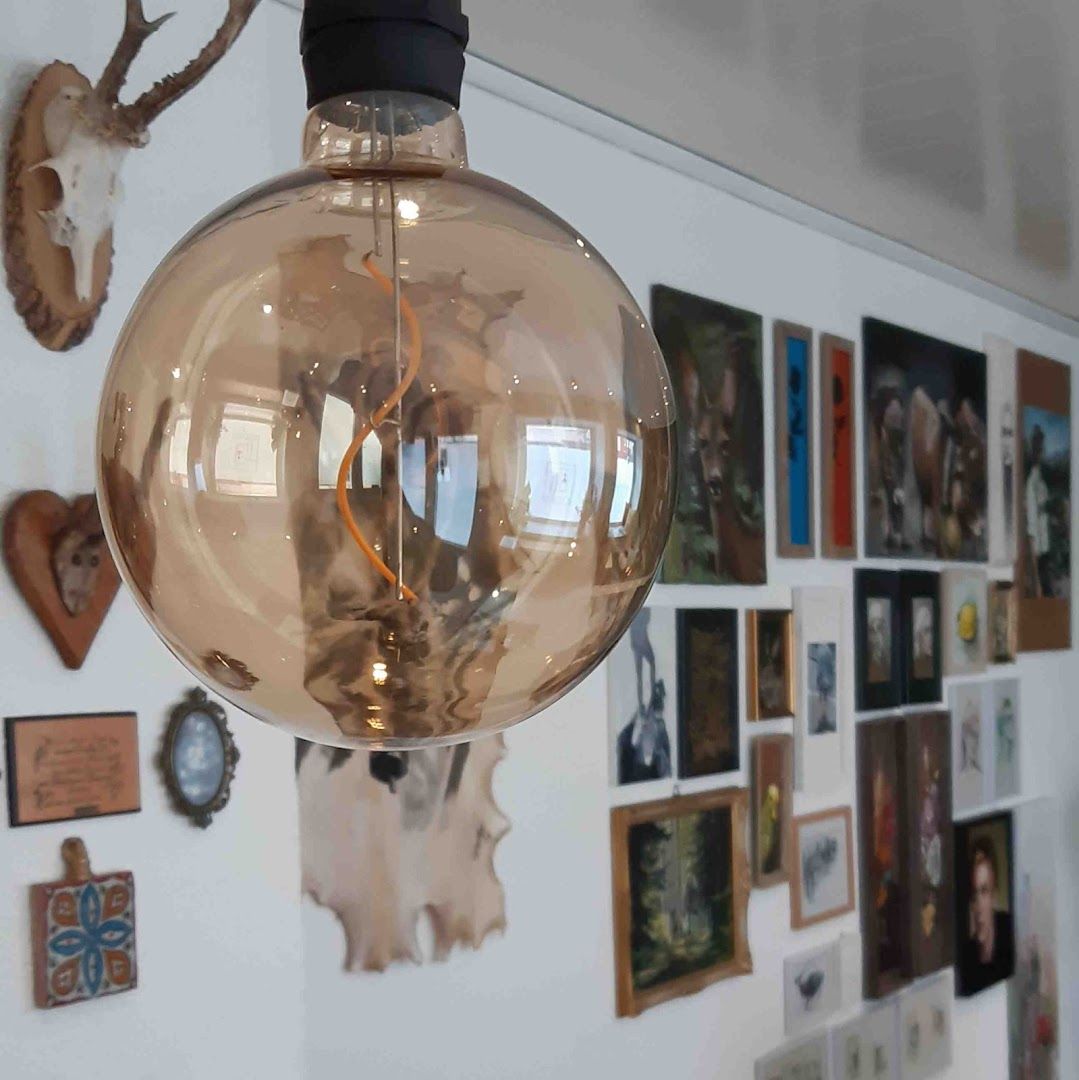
(64, 159)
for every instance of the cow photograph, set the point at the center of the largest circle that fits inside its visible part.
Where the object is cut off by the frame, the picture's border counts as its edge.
(925, 446)
(713, 354)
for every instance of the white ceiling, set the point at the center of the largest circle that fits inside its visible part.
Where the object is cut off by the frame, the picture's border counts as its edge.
(949, 125)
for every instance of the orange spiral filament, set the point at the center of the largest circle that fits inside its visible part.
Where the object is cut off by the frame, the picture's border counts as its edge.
(380, 414)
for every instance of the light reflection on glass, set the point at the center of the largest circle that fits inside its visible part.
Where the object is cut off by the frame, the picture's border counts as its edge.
(245, 458)
(558, 472)
(456, 480)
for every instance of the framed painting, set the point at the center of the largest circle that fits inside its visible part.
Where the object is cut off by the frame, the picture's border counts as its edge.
(64, 767)
(920, 590)
(839, 536)
(971, 749)
(641, 702)
(865, 1046)
(793, 386)
(965, 621)
(925, 446)
(925, 743)
(713, 353)
(1003, 449)
(925, 1028)
(772, 791)
(1003, 622)
(812, 989)
(769, 664)
(984, 913)
(881, 843)
(877, 639)
(1043, 572)
(707, 692)
(681, 889)
(1002, 697)
(822, 878)
(1034, 992)
(821, 697)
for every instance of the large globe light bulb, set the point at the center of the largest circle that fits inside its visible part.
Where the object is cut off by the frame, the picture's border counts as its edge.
(386, 448)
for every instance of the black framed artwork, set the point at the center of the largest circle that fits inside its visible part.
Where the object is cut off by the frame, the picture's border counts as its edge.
(877, 639)
(920, 592)
(707, 691)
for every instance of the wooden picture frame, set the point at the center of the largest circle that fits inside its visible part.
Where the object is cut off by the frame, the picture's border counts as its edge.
(769, 639)
(1044, 579)
(792, 384)
(773, 794)
(708, 712)
(60, 768)
(838, 454)
(1003, 622)
(631, 997)
(881, 846)
(878, 645)
(810, 857)
(920, 594)
(925, 747)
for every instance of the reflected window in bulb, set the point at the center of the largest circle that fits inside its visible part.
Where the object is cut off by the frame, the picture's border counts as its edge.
(338, 425)
(178, 444)
(245, 458)
(409, 209)
(456, 482)
(627, 482)
(558, 476)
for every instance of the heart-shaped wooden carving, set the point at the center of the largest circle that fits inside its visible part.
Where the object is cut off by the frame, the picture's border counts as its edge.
(37, 522)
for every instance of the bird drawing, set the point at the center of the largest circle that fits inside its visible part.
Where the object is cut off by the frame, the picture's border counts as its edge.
(809, 985)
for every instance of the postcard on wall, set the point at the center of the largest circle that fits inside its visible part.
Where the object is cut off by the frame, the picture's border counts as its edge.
(708, 707)
(821, 695)
(1043, 571)
(1003, 450)
(925, 1028)
(713, 353)
(1002, 701)
(65, 767)
(839, 533)
(964, 621)
(925, 446)
(642, 692)
(822, 875)
(1034, 992)
(805, 1060)
(971, 749)
(866, 1046)
(811, 988)
(794, 488)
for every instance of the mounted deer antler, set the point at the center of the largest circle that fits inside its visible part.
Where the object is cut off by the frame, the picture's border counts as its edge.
(64, 159)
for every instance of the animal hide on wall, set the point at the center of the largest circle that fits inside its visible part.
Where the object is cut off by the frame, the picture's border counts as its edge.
(380, 859)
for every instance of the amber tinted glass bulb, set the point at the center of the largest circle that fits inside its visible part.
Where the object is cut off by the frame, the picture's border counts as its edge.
(514, 504)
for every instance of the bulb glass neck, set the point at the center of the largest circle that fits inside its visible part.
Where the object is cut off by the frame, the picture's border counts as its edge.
(385, 131)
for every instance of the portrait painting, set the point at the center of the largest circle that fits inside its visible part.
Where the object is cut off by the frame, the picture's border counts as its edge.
(804, 1060)
(1034, 991)
(713, 354)
(971, 752)
(864, 1047)
(812, 989)
(985, 928)
(769, 664)
(1043, 570)
(925, 1028)
(1003, 445)
(793, 385)
(681, 888)
(878, 649)
(1004, 700)
(964, 619)
(925, 446)
(822, 700)
(839, 538)
(926, 761)
(921, 635)
(641, 689)
(881, 845)
(822, 877)
(772, 790)
(708, 691)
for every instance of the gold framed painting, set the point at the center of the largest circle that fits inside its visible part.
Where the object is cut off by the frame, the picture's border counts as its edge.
(769, 664)
(680, 880)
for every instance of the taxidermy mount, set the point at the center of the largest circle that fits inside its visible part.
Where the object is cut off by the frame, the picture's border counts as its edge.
(68, 143)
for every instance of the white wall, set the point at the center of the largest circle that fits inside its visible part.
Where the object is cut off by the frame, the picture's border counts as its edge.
(239, 979)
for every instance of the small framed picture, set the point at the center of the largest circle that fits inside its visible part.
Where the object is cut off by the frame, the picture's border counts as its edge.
(793, 384)
(1003, 622)
(822, 880)
(681, 889)
(769, 664)
(877, 639)
(811, 988)
(1003, 699)
(964, 605)
(707, 692)
(925, 1028)
(804, 1060)
(839, 538)
(920, 591)
(864, 1047)
(772, 795)
(984, 916)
